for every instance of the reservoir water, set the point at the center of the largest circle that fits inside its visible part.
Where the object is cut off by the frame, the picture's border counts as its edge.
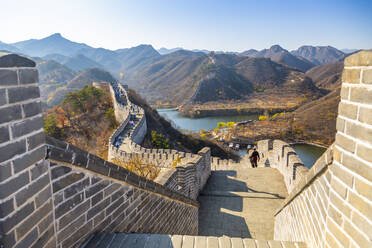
(206, 123)
(308, 153)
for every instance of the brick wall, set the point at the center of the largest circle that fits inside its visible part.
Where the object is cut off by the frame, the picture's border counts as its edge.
(332, 206)
(278, 154)
(93, 195)
(26, 208)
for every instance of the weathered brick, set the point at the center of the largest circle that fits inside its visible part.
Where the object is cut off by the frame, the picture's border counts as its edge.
(365, 115)
(348, 110)
(28, 192)
(362, 224)
(66, 181)
(5, 171)
(73, 214)
(76, 187)
(361, 205)
(29, 159)
(28, 240)
(39, 170)
(55, 142)
(4, 134)
(8, 77)
(59, 171)
(14, 184)
(97, 198)
(340, 236)
(7, 224)
(36, 140)
(27, 126)
(66, 206)
(351, 76)
(23, 93)
(28, 76)
(79, 235)
(8, 240)
(3, 99)
(60, 155)
(356, 235)
(72, 228)
(33, 219)
(98, 208)
(340, 172)
(6, 208)
(363, 188)
(10, 113)
(48, 235)
(96, 164)
(46, 222)
(361, 95)
(95, 188)
(367, 76)
(357, 166)
(58, 198)
(43, 196)
(340, 205)
(345, 93)
(345, 142)
(359, 132)
(32, 109)
(362, 58)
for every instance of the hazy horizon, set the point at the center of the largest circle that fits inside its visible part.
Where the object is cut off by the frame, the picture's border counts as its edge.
(212, 25)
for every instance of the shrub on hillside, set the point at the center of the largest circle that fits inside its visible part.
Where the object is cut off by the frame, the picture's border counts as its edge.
(141, 168)
(159, 141)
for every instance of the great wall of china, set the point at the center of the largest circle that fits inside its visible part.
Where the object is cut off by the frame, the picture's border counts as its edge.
(53, 194)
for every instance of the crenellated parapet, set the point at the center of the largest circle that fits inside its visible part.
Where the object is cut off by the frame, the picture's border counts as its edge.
(280, 155)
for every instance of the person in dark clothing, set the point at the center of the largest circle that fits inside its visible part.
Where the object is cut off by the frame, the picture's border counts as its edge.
(255, 157)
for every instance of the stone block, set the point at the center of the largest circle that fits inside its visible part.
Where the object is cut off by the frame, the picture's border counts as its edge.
(27, 126)
(6, 208)
(96, 164)
(72, 228)
(8, 240)
(78, 235)
(14, 184)
(359, 132)
(363, 188)
(55, 142)
(31, 190)
(28, 76)
(362, 58)
(8, 77)
(364, 207)
(7, 224)
(5, 171)
(20, 94)
(59, 171)
(340, 204)
(340, 124)
(43, 239)
(364, 152)
(97, 198)
(11, 113)
(351, 76)
(365, 115)
(32, 108)
(338, 233)
(66, 181)
(367, 76)
(362, 224)
(95, 188)
(98, 208)
(339, 188)
(34, 219)
(348, 110)
(59, 155)
(39, 170)
(3, 97)
(361, 95)
(29, 159)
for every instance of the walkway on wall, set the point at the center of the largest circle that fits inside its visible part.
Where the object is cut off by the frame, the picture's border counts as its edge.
(240, 202)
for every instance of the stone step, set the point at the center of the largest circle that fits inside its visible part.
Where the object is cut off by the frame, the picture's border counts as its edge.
(134, 240)
(265, 195)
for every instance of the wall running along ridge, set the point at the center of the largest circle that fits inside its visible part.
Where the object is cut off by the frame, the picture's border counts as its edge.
(332, 205)
(54, 194)
(193, 170)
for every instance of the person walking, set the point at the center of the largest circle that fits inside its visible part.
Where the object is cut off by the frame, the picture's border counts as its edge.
(255, 157)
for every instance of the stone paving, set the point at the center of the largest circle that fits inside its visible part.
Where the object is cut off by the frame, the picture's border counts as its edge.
(240, 202)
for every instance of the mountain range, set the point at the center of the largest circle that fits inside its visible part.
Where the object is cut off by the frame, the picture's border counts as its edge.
(175, 75)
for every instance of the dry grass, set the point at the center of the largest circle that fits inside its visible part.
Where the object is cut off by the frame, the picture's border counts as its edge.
(141, 168)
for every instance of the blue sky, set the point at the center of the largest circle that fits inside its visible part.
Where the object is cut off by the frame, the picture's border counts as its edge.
(230, 25)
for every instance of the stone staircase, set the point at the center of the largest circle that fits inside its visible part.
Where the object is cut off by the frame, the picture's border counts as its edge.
(131, 240)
